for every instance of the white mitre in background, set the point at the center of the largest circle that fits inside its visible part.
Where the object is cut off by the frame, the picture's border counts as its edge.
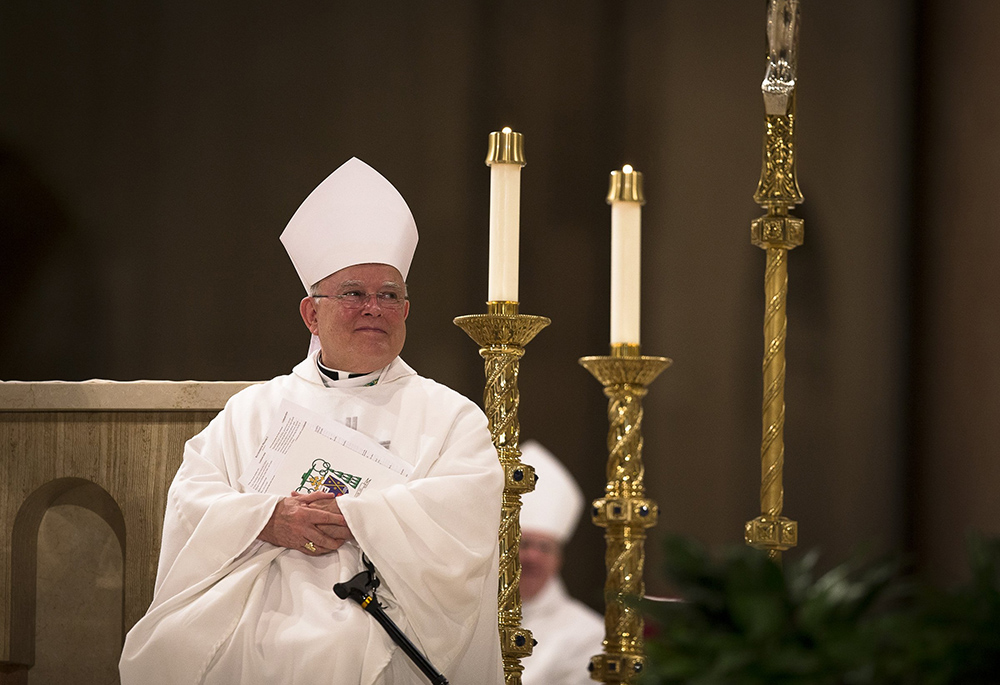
(555, 505)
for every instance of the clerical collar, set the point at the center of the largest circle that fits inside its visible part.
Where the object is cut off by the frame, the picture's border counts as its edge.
(343, 379)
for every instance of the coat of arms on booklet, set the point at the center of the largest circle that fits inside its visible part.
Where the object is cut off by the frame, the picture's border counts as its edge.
(322, 477)
(306, 452)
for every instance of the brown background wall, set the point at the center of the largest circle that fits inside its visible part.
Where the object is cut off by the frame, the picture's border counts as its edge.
(151, 153)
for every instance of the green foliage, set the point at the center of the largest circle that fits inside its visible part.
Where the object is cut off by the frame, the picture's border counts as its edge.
(746, 621)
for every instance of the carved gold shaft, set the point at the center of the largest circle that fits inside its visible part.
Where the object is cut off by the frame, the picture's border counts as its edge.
(625, 556)
(501, 400)
(776, 232)
(772, 449)
(502, 334)
(624, 512)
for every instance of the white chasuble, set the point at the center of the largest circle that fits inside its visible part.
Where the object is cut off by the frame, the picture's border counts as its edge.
(231, 609)
(568, 633)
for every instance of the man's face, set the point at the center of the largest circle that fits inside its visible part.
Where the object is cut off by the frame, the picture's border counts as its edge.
(541, 558)
(362, 339)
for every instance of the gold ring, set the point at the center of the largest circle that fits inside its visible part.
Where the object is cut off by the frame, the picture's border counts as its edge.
(310, 546)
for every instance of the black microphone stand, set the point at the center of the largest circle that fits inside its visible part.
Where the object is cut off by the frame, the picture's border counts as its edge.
(361, 588)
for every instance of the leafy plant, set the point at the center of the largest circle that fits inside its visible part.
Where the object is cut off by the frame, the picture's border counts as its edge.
(746, 621)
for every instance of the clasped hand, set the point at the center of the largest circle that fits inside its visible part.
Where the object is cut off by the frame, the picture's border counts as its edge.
(301, 519)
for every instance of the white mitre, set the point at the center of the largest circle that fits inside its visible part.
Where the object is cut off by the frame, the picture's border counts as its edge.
(555, 505)
(355, 216)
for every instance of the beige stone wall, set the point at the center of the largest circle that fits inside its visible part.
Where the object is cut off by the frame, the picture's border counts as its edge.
(84, 473)
(78, 610)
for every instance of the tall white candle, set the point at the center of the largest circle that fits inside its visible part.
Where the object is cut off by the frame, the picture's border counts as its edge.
(626, 201)
(505, 159)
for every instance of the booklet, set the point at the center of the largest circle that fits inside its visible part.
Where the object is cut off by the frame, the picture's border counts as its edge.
(306, 452)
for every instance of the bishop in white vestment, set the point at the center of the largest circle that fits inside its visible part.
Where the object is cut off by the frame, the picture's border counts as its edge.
(244, 585)
(568, 631)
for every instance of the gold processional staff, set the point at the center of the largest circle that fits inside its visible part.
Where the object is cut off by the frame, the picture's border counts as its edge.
(776, 232)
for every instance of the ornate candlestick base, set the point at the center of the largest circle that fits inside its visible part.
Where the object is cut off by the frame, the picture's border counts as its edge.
(624, 512)
(501, 334)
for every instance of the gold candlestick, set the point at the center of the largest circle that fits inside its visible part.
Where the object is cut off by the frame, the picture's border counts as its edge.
(777, 233)
(501, 334)
(624, 512)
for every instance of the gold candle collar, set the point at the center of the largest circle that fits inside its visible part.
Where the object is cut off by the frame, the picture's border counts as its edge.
(626, 186)
(505, 147)
(625, 350)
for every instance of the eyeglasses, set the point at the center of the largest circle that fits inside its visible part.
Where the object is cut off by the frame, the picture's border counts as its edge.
(543, 546)
(355, 299)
